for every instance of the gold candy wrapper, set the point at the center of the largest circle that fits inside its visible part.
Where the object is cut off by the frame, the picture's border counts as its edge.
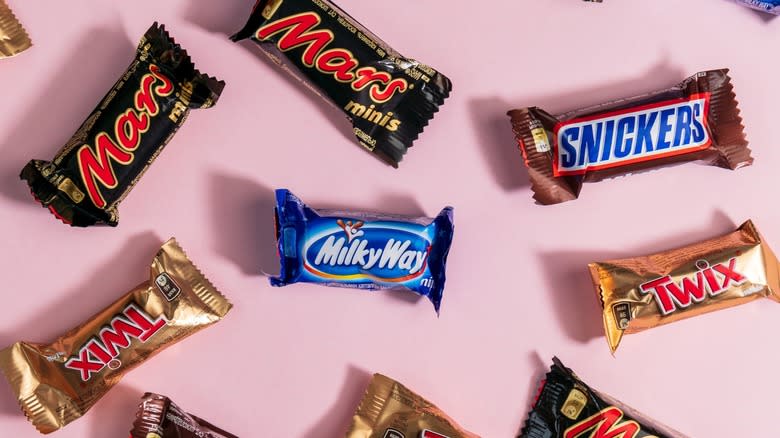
(390, 410)
(13, 38)
(57, 383)
(640, 293)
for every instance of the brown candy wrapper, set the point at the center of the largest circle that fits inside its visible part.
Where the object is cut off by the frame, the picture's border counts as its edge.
(640, 293)
(13, 38)
(696, 120)
(159, 417)
(59, 382)
(390, 410)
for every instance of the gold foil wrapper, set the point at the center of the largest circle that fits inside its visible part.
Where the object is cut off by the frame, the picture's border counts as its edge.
(58, 382)
(640, 293)
(13, 38)
(390, 410)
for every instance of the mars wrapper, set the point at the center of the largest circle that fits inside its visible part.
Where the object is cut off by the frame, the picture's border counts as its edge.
(640, 293)
(58, 382)
(390, 410)
(13, 38)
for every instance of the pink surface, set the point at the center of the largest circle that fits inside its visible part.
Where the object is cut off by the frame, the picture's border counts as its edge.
(293, 362)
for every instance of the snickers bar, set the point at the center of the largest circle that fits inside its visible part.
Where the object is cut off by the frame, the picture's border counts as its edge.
(696, 120)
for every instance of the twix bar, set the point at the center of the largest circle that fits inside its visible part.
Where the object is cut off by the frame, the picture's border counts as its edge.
(13, 37)
(640, 293)
(58, 382)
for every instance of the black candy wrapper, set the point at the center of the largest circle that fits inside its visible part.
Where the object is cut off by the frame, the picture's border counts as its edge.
(568, 408)
(388, 98)
(120, 139)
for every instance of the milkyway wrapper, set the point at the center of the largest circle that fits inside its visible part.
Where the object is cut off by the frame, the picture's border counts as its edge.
(58, 382)
(640, 293)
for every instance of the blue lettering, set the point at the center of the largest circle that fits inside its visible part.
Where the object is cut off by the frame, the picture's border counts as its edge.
(624, 141)
(644, 134)
(666, 128)
(569, 157)
(698, 129)
(609, 131)
(590, 144)
(684, 116)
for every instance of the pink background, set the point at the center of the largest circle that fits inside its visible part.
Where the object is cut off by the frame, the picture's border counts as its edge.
(293, 362)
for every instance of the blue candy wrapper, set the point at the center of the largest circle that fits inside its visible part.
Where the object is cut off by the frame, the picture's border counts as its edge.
(771, 6)
(361, 250)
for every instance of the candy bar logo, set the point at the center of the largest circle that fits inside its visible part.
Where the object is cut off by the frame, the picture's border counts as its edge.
(95, 163)
(102, 350)
(708, 280)
(605, 424)
(431, 434)
(352, 250)
(299, 31)
(632, 135)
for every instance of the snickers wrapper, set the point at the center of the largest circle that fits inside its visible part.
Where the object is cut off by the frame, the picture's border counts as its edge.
(390, 410)
(640, 293)
(13, 37)
(696, 120)
(568, 408)
(159, 417)
(388, 97)
(107, 156)
(58, 382)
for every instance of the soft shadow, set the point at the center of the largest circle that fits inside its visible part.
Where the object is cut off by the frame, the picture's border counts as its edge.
(766, 17)
(121, 404)
(577, 305)
(243, 223)
(101, 287)
(223, 16)
(499, 146)
(388, 203)
(337, 419)
(63, 104)
(540, 369)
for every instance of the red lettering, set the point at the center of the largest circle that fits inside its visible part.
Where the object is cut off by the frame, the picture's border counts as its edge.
(97, 167)
(658, 287)
(118, 336)
(690, 291)
(84, 365)
(129, 128)
(605, 424)
(298, 32)
(729, 273)
(339, 62)
(148, 326)
(380, 95)
(431, 434)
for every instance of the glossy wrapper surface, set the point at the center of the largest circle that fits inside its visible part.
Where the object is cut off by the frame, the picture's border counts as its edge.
(58, 382)
(362, 250)
(13, 37)
(771, 6)
(388, 98)
(640, 293)
(696, 120)
(390, 410)
(568, 408)
(159, 417)
(88, 178)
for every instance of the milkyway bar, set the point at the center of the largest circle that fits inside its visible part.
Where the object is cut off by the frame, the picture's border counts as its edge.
(13, 37)
(390, 410)
(640, 293)
(88, 178)
(159, 417)
(58, 382)
(389, 98)
(568, 408)
(696, 120)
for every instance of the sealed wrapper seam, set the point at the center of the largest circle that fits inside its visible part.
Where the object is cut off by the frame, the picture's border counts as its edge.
(50, 401)
(13, 37)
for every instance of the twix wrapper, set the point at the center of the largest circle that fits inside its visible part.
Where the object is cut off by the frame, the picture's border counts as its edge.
(60, 381)
(640, 293)
(159, 417)
(13, 37)
(390, 410)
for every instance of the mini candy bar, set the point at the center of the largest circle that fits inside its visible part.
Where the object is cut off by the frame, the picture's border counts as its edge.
(13, 38)
(696, 120)
(109, 153)
(159, 417)
(59, 382)
(568, 408)
(771, 6)
(644, 292)
(390, 410)
(361, 250)
(388, 98)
